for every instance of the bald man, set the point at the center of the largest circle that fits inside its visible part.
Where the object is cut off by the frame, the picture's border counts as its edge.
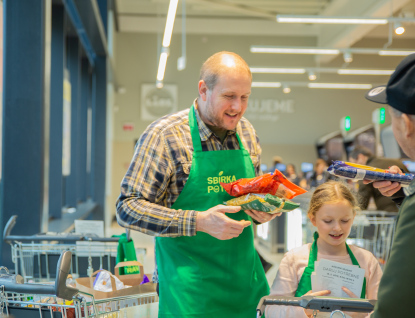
(207, 265)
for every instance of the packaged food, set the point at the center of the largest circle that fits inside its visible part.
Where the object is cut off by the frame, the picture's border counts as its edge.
(272, 183)
(263, 202)
(359, 172)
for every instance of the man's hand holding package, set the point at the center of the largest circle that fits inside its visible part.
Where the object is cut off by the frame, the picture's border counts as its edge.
(387, 188)
(214, 222)
(262, 217)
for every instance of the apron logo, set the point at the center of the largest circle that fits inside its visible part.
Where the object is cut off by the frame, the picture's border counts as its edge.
(213, 182)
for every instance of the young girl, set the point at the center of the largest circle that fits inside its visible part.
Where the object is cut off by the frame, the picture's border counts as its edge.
(332, 210)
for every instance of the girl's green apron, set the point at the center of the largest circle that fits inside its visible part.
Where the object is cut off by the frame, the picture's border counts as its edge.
(304, 286)
(201, 276)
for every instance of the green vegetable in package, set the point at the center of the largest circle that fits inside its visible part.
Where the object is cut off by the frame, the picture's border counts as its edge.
(263, 202)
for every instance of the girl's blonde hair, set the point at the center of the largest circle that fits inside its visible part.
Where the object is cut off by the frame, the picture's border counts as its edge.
(331, 192)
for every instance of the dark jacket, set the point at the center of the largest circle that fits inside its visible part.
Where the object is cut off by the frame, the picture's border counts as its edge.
(395, 296)
(367, 191)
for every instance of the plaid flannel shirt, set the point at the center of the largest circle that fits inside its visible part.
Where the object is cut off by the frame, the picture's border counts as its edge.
(160, 168)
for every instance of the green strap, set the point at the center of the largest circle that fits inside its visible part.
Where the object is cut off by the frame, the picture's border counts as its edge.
(355, 262)
(194, 131)
(304, 284)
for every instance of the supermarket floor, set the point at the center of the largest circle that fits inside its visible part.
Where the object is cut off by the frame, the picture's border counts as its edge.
(145, 252)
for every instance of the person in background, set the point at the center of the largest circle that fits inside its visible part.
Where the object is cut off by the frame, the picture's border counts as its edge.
(206, 261)
(395, 298)
(332, 210)
(277, 164)
(320, 174)
(363, 156)
(291, 174)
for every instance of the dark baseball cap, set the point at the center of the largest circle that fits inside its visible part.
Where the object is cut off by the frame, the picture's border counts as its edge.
(400, 90)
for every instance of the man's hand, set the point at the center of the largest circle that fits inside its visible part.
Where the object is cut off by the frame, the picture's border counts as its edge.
(261, 217)
(214, 222)
(387, 188)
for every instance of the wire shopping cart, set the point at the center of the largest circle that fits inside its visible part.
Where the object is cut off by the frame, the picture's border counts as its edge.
(373, 231)
(321, 303)
(57, 300)
(35, 256)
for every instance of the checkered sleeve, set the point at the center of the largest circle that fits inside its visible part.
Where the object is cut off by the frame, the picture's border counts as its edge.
(144, 188)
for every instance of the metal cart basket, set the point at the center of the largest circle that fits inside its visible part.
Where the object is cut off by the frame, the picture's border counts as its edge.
(25, 300)
(35, 256)
(374, 230)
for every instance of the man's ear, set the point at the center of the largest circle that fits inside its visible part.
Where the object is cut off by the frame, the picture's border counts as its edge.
(409, 125)
(202, 90)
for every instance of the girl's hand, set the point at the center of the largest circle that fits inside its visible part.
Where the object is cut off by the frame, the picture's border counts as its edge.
(349, 292)
(309, 312)
(352, 295)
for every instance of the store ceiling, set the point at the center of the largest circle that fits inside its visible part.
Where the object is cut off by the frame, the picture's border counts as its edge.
(258, 17)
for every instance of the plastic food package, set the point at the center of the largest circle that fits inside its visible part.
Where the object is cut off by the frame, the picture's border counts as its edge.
(359, 172)
(263, 202)
(271, 183)
(102, 282)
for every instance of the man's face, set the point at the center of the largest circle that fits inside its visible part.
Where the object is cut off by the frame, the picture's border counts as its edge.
(227, 101)
(399, 133)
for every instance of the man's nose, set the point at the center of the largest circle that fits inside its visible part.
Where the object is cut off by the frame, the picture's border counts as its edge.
(237, 104)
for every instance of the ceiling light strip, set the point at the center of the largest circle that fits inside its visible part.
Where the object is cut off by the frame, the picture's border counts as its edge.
(171, 16)
(339, 85)
(341, 71)
(266, 84)
(329, 20)
(346, 71)
(289, 50)
(277, 70)
(328, 51)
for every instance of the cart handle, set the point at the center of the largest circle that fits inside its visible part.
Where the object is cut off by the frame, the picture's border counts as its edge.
(44, 237)
(321, 303)
(59, 288)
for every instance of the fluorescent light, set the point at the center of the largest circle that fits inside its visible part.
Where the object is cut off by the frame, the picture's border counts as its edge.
(395, 53)
(171, 15)
(266, 84)
(162, 66)
(330, 20)
(287, 50)
(339, 85)
(363, 72)
(272, 70)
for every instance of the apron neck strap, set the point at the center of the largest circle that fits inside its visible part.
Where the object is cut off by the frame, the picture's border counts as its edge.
(194, 131)
(313, 257)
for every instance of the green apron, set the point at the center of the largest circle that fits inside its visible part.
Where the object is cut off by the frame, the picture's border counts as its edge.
(201, 276)
(304, 286)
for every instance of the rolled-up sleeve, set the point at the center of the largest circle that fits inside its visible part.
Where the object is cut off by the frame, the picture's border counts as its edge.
(142, 204)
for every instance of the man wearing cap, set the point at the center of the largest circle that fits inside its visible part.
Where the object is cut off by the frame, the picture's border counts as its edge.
(396, 286)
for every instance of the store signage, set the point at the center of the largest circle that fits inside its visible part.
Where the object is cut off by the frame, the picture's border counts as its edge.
(157, 102)
(268, 109)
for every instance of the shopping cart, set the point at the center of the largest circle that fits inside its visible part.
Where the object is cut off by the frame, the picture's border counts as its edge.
(35, 256)
(320, 303)
(25, 300)
(373, 230)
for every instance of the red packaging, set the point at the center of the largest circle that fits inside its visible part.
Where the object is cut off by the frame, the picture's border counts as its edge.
(273, 183)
